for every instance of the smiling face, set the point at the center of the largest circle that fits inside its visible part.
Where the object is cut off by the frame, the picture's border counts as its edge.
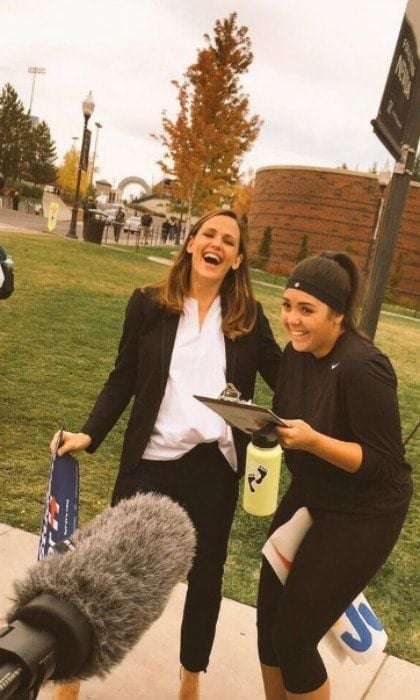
(312, 325)
(214, 250)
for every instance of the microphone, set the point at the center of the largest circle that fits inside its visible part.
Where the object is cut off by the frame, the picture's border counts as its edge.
(77, 614)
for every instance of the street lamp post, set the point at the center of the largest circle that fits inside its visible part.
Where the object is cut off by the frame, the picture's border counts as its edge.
(35, 70)
(384, 177)
(98, 126)
(88, 106)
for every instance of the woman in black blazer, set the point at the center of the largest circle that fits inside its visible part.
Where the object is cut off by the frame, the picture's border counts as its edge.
(192, 333)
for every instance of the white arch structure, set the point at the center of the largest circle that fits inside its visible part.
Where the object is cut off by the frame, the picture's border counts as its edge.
(134, 180)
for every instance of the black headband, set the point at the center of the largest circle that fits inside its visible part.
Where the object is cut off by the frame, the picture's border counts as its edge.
(321, 288)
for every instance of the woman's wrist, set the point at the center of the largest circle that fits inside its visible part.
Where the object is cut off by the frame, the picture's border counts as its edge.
(315, 442)
(87, 438)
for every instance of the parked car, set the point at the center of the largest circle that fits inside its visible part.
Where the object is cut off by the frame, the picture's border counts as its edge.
(133, 223)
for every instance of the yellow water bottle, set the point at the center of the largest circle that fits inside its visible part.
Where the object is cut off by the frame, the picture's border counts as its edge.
(262, 474)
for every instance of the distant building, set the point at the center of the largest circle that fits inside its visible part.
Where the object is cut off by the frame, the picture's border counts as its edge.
(103, 188)
(329, 209)
(158, 204)
(164, 186)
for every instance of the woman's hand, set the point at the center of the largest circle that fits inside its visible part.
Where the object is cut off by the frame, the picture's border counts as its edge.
(297, 436)
(70, 442)
(300, 436)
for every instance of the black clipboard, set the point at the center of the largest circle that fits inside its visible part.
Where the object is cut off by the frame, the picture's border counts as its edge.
(242, 414)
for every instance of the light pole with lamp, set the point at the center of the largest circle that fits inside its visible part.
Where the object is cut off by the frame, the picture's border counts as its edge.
(88, 107)
(35, 70)
(98, 126)
(384, 178)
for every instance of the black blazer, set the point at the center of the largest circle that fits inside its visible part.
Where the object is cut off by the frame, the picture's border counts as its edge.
(142, 368)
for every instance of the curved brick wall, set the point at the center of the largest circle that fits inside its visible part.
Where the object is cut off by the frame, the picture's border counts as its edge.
(336, 209)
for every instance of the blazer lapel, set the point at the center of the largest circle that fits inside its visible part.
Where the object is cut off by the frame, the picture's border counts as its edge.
(230, 347)
(169, 327)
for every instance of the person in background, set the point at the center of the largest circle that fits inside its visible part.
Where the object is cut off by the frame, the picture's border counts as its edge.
(146, 227)
(15, 200)
(88, 205)
(164, 231)
(172, 230)
(177, 232)
(193, 332)
(338, 394)
(118, 224)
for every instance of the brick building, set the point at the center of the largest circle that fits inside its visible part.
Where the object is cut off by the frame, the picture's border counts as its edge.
(327, 209)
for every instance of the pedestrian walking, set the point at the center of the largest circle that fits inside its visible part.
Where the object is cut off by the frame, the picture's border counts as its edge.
(118, 224)
(164, 231)
(172, 230)
(15, 200)
(146, 227)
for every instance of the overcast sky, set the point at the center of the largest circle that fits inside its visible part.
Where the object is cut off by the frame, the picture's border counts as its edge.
(319, 70)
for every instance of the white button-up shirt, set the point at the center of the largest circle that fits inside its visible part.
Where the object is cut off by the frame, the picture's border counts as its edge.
(198, 366)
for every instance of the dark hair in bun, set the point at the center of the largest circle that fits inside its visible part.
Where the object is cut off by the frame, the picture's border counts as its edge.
(334, 279)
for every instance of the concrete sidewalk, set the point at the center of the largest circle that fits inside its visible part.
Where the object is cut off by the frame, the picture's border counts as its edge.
(150, 671)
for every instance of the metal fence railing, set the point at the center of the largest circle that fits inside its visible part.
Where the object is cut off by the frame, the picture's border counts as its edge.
(138, 236)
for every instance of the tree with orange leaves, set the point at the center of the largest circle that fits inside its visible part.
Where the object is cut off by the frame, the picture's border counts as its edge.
(242, 195)
(205, 143)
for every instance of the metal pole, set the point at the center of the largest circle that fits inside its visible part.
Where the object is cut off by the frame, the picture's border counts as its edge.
(376, 225)
(34, 70)
(386, 243)
(73, 223)
(32, 92)
(98, 126)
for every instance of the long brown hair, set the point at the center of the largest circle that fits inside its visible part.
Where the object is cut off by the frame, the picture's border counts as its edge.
(239, 308)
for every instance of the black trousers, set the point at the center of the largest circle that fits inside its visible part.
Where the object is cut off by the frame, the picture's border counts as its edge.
(336, 559)
(203, 483)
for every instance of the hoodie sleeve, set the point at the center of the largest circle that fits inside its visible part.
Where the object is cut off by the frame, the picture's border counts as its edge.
(371, 404)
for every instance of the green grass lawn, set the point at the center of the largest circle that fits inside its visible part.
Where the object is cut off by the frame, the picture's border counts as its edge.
(58, 338)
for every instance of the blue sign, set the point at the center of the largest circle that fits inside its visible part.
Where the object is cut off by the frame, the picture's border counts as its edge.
(61, 504)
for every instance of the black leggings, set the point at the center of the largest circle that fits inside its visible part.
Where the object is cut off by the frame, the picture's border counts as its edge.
(338, 556)
(203, 482)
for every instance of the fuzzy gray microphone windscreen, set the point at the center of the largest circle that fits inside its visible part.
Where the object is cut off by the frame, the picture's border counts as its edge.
(119, 576)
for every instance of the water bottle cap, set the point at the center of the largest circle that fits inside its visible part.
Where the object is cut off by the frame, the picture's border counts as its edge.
(266, 440)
